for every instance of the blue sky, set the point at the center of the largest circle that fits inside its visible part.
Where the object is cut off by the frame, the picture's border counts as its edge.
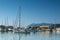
(32, 11)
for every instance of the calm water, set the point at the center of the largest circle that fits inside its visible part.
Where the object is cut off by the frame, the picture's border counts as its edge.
(31, 36)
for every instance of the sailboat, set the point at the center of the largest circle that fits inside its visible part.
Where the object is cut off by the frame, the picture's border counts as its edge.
(19, 29)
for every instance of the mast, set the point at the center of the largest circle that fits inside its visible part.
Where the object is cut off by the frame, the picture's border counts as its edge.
(2, 22)
(6, 21)
(55, 25)
(19, 16)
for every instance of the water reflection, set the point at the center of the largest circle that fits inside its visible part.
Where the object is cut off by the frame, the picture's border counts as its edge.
(31, 36)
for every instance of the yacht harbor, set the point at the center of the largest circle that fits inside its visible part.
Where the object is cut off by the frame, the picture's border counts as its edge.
(42, 28)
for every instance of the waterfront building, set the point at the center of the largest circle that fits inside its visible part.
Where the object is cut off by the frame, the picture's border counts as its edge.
(44, 27)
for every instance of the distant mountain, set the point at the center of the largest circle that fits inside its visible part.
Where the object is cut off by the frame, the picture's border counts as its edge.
(34, 24)
(39, 24)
